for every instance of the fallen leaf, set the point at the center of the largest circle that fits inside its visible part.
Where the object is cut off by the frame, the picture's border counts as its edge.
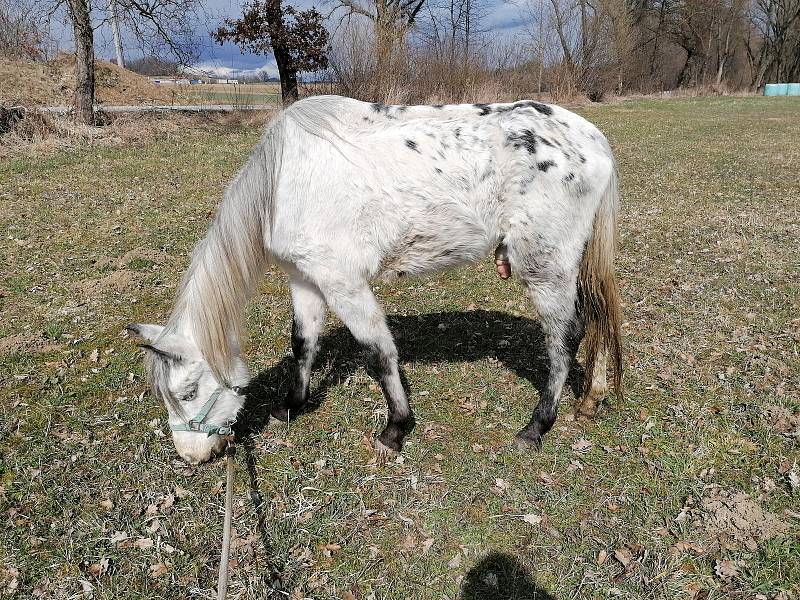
(582, 445)
(158, 570)
(623, 555)
(143, 543)
(99, 568)
(602, 557)
(546, 479)
(408, 544)
(532, 519)
(726, 569)
(455, 562)
(118, 536)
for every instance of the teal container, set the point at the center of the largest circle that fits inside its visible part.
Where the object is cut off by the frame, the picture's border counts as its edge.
(772, 89)
(793, 89)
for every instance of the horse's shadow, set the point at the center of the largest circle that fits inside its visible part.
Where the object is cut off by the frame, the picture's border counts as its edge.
(516, 342)
(500, 576)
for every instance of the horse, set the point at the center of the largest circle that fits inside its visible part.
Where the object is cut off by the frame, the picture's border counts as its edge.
(338, 192)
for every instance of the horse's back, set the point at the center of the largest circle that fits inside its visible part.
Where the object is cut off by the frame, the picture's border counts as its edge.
(422, 188)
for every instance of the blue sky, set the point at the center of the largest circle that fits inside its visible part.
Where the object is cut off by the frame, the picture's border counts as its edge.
(503, 20)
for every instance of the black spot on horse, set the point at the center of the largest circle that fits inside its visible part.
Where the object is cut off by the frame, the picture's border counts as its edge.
(568, 177)
(413, 146)
(563, 123)
(438, 106)
(541, 108)
(547, 142)
(524, 139)
(402, 109)
(544, 165)
(378, 107)
(438, 170)
(484, 109)
(582, 158)
(457, 132)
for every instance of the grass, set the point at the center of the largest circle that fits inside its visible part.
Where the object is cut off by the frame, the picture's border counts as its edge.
(238, 95)
(94, 500)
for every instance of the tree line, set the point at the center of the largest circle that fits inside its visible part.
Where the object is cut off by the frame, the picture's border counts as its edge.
(447, 50)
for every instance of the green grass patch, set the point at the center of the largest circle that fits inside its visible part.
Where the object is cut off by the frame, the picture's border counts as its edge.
(686, 489)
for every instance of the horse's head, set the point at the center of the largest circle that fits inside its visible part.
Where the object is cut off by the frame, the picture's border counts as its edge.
(201, 408)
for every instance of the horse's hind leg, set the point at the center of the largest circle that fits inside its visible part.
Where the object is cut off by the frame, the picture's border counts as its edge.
(357, 307)
(309, 319)
(587, 406)
(553, 290)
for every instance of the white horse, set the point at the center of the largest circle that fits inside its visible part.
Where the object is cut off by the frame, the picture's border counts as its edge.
(338, 192)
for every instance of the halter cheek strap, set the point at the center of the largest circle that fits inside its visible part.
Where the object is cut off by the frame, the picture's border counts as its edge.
(197, 424)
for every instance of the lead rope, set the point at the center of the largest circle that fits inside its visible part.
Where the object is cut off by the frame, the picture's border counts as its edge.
(222, 580)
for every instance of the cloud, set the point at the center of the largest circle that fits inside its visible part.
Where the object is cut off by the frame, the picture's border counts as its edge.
(217, 68)
(503, 21)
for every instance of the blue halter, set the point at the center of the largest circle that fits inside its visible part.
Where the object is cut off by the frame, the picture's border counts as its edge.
(198, 425)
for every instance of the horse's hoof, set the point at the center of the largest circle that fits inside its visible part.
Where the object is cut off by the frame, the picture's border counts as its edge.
(383, 451)
(586, 410)
(526, 440)
(274, 424)
(280, 414)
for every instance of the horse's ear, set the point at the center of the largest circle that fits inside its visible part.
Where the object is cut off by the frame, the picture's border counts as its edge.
(145, 331)
(161, 353)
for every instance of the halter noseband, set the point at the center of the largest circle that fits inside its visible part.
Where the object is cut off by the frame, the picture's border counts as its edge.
(197, 424)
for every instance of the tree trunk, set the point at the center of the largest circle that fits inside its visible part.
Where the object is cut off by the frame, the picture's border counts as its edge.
(84, 61)
(287, 75)
(725, 53)
(113, 17)
(286, 70)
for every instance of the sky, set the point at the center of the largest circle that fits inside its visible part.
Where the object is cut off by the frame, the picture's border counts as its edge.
(503, 19)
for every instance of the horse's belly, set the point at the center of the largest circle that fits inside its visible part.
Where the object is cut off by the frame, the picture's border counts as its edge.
(426, 250)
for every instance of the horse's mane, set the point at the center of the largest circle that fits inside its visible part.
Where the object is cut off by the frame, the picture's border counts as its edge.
(227, 263)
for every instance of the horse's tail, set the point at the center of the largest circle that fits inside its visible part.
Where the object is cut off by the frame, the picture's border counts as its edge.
(598, 293)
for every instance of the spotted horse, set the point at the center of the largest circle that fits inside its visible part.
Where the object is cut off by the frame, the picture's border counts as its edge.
(339, 192)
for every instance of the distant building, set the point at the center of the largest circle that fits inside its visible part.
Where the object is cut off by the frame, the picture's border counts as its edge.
(171, 80)
(229, 81)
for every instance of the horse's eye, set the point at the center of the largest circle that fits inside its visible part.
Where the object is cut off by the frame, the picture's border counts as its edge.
(190, 393)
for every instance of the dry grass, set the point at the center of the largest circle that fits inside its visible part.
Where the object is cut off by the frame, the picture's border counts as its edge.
(687, 490)
(33, 83)
(43, 134)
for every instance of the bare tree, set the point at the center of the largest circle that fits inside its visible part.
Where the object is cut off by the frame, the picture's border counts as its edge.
(391, 21)
(83, 33)
(160, 26)
(773, 41)
(20, 31)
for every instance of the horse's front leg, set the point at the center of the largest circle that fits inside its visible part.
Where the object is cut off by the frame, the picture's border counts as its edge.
(358, 309)
(307, 324)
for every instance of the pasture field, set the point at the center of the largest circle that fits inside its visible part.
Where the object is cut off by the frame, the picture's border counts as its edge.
(688, 488)
(238, 95)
